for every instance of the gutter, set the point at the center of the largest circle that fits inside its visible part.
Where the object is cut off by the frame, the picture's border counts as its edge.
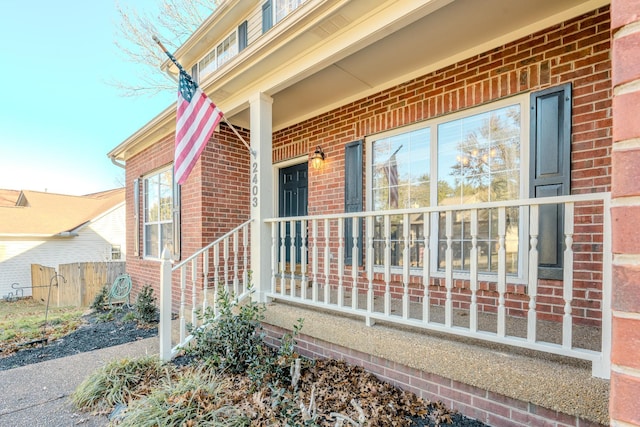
(117, 163)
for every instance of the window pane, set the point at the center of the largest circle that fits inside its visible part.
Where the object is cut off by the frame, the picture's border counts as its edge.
(158, 205)
(165, 196)
(151, 198)
(151, 240)
(400, 171)
(400, 177)
(166, 231)
(479, 157)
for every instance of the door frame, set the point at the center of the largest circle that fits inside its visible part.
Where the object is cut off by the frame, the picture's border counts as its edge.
(276, 180)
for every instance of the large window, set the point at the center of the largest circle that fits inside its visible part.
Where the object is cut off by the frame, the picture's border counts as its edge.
(158, 214)
(466, 158)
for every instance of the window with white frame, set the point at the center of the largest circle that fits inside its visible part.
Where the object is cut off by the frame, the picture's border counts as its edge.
(158, 212)
(285, 7)
(224, 51)
(464, 158)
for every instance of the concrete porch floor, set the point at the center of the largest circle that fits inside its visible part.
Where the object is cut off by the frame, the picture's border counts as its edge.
(553, 382)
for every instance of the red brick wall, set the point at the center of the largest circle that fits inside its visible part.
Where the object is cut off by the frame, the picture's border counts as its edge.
(625, 375)
(576, 51)
(214, 200)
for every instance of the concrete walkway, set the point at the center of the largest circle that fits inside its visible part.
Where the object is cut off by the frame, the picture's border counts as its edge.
(38, 394)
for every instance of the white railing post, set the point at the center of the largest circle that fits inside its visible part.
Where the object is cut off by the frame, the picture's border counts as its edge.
(567, 292)
(532, 284)
(327, 266)
(387, 265)
(370, 255)
(473, 308)
(183, 290)
(502, 271)
(164, 328)
(355, 226)
(448, 281)
(406, 260)
(304, 249)
(340, 262)
(194, 292)
(426, 268)
(314, 266)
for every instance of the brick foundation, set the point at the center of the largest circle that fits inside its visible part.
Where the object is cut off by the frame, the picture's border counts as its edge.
(491, 408)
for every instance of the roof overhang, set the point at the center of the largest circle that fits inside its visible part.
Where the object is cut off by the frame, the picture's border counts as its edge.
(330, 53)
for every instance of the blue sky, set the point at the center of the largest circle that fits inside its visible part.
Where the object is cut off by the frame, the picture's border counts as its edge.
(58, 116)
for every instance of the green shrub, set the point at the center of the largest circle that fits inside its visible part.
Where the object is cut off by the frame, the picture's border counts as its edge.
(234, 341)
(145, 307)
(101, 300)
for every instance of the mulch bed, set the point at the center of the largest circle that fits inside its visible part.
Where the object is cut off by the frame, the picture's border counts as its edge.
(93, 334)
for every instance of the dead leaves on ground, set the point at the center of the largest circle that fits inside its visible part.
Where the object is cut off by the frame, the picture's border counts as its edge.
(335, 387)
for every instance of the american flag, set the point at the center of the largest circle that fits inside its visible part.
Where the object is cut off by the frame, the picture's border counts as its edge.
(196, 119)
(391, 170)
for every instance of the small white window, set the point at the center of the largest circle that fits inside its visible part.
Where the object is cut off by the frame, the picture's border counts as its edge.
(116, 252)
(285, 7)
(158, 212)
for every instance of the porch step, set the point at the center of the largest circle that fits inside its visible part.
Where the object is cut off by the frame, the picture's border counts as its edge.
(477, 372)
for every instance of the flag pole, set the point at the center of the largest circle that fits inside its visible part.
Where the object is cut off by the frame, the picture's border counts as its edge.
(182, 70)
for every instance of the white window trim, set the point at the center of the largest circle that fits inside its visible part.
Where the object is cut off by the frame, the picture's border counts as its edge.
(275, 13)
(524, 101)
(144, 212)
(213, 65)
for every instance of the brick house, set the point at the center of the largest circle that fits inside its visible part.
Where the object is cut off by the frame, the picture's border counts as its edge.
(442, 166)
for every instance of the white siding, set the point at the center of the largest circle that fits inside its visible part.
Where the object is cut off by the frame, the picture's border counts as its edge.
(93, 243)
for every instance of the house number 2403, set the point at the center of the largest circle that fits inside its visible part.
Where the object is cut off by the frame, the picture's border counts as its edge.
(254, 184)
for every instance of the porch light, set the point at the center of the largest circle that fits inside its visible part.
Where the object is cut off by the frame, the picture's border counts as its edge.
(317, 158)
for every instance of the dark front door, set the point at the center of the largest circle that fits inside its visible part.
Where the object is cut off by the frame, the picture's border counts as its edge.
(293, 202)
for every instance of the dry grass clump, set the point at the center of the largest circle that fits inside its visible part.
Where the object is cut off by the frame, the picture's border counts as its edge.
(120, 381)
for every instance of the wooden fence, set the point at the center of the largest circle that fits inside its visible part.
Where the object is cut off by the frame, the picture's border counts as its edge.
(83, 282)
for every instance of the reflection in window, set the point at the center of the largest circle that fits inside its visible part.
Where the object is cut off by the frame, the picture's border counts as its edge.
(227, 49)
(479, 161)
(487, 240)
(400, 171)
(158, 215)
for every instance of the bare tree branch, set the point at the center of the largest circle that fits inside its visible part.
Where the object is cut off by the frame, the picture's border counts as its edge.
(175, 21)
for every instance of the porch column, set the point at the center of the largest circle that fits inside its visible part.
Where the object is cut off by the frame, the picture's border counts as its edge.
(261, 196)
(624, 408)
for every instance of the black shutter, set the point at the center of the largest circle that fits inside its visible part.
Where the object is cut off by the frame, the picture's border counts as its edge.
(136, 217)
(194, 73)
(242, 36)
(175, 254)
(550, 147)
(352, 197)
(267, 16)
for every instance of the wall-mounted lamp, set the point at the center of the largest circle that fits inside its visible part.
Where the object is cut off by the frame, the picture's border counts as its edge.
(317, 158)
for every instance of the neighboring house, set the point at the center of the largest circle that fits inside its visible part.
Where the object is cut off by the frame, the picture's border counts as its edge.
(465, 159)
(53, 229)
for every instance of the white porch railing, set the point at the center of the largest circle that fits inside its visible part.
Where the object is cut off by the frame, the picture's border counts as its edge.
(225, 262)
(466, 270)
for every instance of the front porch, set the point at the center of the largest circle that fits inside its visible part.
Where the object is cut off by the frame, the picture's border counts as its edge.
(443, 309)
